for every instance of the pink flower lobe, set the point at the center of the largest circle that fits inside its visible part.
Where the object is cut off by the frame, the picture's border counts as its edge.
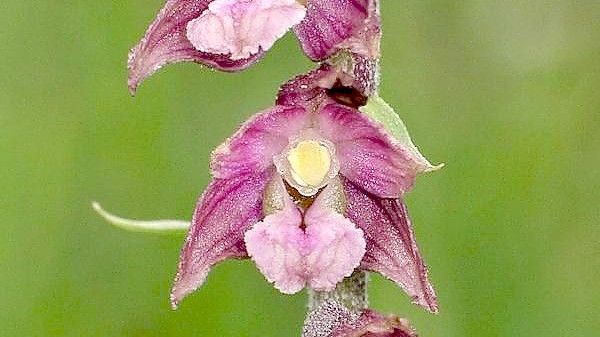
(242, 28)
(328, 249)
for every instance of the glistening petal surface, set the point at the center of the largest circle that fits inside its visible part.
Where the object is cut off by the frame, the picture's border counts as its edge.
(368, 155)
(391, 245)
(226, 209)
(328, 23)
(165, 42)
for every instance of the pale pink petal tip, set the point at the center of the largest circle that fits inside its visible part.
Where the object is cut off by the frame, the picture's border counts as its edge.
(275, 245)
(337, 246)
(329, 248)
(243, 28)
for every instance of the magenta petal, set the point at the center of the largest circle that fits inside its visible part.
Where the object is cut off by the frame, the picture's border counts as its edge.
(391, 246)
(165, 42)
(227, 208)
(252, 147)
(368, 155)
(328, 23)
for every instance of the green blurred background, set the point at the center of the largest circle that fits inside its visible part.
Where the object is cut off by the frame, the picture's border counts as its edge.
(506, 93)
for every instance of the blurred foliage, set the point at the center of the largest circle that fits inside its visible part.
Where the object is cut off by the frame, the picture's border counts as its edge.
(505, 93)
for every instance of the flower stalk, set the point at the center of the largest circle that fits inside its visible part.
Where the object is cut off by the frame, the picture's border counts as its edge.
(351, 293)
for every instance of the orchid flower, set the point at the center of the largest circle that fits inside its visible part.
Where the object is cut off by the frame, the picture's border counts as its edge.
(231, 35)
(310, 189)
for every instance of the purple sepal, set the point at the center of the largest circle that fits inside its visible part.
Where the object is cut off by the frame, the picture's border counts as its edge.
(368, 155)
(328, 23)
(165, 42)
(251, 149)
(391, 246)
(225, 211)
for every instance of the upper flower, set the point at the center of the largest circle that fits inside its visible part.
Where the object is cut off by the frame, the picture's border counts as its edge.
(231, 35)
(310, 189)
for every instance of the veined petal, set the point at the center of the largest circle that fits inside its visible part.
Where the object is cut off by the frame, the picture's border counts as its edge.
(368, 155)
(252, 147)
(165, 42)
(243, 28)
(328, 23)
(226, 209)
(391, 245)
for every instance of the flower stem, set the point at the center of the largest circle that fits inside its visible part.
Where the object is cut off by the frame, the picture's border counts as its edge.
(351, 292)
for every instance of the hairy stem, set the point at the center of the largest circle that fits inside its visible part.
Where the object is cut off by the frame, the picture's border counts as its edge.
(351, 292)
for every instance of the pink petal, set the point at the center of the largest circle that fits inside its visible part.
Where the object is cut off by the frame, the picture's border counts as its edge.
(391, 246)
(243, 28)
(337, 245)
(277, 246)
(165, 42)
(329, 249)
(227, 208)
(329, 23)
(368, 155)
(252, 147)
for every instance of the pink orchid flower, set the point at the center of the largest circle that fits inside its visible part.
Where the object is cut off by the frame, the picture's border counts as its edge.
(310, 189)
(231, 35)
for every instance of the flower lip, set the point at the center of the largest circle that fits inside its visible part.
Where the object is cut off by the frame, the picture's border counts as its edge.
(308, 163)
